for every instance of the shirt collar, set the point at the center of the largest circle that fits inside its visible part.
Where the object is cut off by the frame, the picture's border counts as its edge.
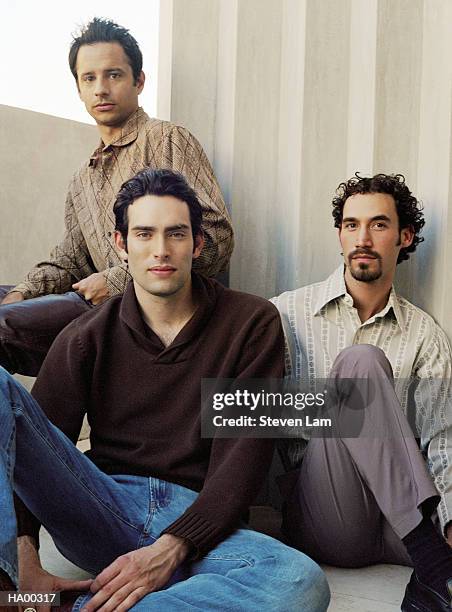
(334, 288)
(129, 133)
(331, 289)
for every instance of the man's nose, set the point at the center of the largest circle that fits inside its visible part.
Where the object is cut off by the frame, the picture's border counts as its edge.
(160, 247)
(363, 237)
(101, 87)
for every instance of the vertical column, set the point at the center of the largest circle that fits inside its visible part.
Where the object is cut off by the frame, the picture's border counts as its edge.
(165, 80)
(361, 101)
(225, 96)
(432, 261)
(254, 198)
(325, 117)
(194, 68)
(283, 234)
(399, 62)
(398, 92)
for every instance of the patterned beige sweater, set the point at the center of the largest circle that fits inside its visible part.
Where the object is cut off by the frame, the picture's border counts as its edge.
(88, 242)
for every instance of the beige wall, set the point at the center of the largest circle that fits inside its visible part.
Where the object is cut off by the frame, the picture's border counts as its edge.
(38, 157)
(289, 97)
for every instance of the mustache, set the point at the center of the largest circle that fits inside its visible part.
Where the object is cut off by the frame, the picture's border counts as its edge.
(368, 252)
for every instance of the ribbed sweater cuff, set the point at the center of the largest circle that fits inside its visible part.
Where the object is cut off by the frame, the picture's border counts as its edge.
(201, 533)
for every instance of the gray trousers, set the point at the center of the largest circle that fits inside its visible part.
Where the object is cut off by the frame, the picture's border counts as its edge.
(353, 499)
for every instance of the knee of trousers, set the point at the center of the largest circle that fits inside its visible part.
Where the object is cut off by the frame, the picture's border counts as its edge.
(7, 321)
(360, 360)
(303, 584)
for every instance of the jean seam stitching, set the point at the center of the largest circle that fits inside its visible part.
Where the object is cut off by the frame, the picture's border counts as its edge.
(9, 466)
(228, 558)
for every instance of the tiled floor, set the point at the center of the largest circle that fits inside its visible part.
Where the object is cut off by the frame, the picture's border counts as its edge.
(378, 588)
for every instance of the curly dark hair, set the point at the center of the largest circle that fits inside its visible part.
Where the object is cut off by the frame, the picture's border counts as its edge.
(104, 30)
(409, 209)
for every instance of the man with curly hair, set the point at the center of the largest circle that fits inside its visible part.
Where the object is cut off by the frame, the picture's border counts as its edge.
(354, 501)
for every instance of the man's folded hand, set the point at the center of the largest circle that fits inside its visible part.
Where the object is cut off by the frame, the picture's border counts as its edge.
(139, 572)
(93, 288)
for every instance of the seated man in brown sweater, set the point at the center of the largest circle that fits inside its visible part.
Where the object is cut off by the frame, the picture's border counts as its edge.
(154, 510)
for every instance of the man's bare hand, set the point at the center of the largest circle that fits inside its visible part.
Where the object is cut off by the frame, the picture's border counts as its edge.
(12, 298)
(32, 577)
(133, 575)
(43, 582)
(93, 288)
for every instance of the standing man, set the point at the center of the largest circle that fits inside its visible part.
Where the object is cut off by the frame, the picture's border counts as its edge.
(155, 511)
(84, 269)
(357, 501)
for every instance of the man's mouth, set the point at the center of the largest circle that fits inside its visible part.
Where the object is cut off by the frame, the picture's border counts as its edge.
(162, 270)
(104, 106)
(363, 256)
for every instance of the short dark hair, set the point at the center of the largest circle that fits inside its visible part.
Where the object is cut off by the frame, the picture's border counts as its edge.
(159, 182)
(103, 30)
(409, 209)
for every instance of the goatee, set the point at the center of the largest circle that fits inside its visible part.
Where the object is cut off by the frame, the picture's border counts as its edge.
(364, 274)
(364, 271)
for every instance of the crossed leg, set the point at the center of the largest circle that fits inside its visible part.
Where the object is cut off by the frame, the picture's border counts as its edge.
(355, 498)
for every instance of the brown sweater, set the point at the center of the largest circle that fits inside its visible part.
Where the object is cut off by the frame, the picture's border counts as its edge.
(143, 400)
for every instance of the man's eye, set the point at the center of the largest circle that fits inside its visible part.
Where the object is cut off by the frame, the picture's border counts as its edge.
(88, 78)
(379, 225)
(114, 75)
(350, 225)
(178, 235)
(143, 235)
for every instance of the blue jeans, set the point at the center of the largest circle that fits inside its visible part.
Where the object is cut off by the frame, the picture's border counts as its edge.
(93, 518)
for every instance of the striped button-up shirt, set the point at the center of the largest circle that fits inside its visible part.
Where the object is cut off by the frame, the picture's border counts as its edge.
(88, 244)
(320, 320)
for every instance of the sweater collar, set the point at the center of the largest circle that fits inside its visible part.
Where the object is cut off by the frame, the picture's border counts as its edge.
(206, 290)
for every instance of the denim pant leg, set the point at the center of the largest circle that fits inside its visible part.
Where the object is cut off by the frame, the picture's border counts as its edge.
(28, 328)
(248, 571)
(92, 517)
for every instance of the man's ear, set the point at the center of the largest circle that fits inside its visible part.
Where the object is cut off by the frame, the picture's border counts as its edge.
(406, 236)
(199, 245)
(139, 83)
(121, 246)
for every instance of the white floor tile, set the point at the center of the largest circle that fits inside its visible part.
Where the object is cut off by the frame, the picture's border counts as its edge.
(383, 584)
